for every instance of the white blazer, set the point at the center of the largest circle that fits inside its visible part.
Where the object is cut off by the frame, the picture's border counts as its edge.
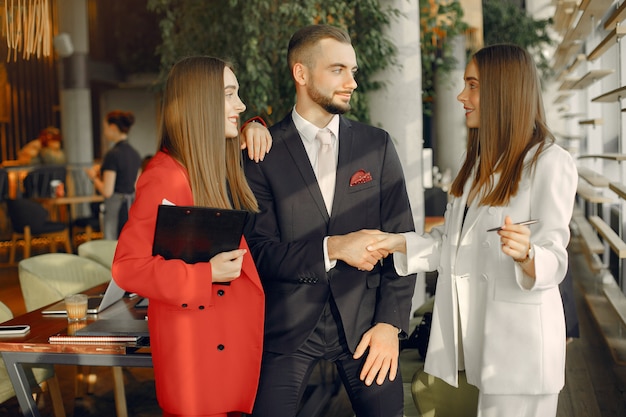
(512, 327)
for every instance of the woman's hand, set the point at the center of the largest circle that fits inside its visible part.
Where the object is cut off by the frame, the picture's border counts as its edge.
(226, 266)
(514, 240)
(389, 243)
(257, 139)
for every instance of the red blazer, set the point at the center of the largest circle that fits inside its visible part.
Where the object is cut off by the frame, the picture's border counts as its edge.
(206, 339)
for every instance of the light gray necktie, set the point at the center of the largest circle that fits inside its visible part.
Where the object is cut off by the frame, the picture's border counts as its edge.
(326, 167)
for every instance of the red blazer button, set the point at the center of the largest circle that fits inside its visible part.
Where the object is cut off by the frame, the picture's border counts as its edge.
(220, 347)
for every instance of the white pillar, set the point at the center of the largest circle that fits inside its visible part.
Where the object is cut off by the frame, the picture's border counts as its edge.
(74, 88)
(449, 117)
(397, 108)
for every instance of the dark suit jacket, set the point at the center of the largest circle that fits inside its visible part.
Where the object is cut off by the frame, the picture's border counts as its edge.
(286, 237)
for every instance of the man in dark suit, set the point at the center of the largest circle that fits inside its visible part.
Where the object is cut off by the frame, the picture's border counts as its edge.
(327, 297)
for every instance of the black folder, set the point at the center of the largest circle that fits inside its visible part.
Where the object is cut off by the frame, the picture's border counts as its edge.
(196, 234)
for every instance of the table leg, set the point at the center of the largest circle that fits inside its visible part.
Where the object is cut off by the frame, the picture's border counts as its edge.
(22, 388)
(17, 374)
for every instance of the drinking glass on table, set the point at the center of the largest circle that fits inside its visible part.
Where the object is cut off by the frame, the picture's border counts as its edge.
(76, 307)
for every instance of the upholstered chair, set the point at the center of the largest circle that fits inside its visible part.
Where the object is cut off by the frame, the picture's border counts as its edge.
(29, 220)
(99, 250)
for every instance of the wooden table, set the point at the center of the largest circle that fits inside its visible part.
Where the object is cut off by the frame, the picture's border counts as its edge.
(34, 348)
(53, 204)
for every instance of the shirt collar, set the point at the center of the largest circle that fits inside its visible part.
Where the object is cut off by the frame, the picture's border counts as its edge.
(308, 130)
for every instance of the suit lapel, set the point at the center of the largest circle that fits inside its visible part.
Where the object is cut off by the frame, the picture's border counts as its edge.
(293, 143)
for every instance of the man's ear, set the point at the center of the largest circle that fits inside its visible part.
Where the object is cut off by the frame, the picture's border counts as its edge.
(300, 73)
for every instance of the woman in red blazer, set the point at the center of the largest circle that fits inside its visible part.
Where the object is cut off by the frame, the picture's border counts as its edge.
(205, 319)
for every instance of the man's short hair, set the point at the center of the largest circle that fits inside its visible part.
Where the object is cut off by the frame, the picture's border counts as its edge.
(303, 41)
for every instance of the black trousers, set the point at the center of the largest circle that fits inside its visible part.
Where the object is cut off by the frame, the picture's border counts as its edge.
(284, 377)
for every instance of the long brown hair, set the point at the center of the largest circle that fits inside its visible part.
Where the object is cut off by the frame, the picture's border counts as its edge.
(512, 121)
(192, 131)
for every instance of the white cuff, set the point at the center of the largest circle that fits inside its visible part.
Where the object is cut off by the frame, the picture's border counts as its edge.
(328, 264)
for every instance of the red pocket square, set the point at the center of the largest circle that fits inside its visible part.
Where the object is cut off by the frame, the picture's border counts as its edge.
(360, 177)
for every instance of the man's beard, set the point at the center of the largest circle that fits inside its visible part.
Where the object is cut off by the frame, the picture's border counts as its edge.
(327, 102)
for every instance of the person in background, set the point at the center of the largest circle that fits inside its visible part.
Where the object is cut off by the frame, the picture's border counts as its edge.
(328, 298)
(115, 178)
(498, 314)
(145, 161)
(205, 319)
(46, 149)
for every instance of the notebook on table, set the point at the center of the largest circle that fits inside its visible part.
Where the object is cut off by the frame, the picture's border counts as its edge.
(196, 234)
(125, 331)
(137, 328)
(95, 303)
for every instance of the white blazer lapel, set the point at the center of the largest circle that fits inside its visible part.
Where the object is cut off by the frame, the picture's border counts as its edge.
(474, 212)
(458, 211)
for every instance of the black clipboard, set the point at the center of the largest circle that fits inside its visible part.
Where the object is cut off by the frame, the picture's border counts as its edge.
(196, 234)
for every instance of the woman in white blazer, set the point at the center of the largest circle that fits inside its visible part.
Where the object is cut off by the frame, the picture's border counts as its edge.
(498, 313)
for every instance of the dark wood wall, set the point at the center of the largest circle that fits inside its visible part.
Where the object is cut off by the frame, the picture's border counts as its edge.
(123, 37)
(29, 99)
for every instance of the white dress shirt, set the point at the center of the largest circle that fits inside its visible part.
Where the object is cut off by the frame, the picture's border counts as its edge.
(308, 131)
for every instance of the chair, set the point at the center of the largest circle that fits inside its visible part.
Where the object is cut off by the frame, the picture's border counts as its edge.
(101, 251)
(4, 184)
(47, 278)
(434, 397)
(29, 219)
(90, 225)
(37, 182)
(41, 374)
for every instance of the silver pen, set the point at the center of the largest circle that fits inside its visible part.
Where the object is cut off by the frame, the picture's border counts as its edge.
(526, 223)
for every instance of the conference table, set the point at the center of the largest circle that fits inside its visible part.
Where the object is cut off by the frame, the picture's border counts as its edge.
(34, 348)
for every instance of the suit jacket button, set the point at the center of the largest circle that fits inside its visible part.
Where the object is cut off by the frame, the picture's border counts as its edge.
(220, 292)
(220, 347)
(184, 305)
(201, 307)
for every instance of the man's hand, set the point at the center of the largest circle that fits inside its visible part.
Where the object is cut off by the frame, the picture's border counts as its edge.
(352, 249)
(257, 139)
(382, 359)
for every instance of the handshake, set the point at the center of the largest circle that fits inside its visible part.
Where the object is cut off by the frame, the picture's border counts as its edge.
(365, 248)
